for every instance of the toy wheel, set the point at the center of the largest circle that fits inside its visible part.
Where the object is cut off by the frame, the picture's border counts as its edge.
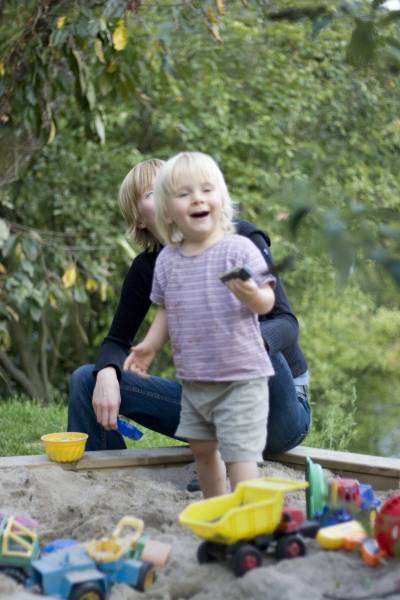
(146, 577)
(19, 575)
(87, 591)
(203, 554)
(245, 559)
(290, 547)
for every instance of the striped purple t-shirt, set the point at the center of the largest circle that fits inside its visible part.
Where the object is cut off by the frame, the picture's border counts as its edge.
(214, 337)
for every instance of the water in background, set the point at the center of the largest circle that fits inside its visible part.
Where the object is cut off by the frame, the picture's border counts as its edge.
(378, 430)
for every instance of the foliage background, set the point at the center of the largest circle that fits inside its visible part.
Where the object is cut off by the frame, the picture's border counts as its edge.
(301, 120)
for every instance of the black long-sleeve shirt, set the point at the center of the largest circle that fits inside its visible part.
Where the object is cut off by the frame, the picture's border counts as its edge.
(279, 328)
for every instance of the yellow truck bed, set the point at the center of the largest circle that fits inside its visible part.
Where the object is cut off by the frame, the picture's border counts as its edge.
(254, 508)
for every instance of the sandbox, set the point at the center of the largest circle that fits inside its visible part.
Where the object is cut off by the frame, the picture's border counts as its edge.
(87, 503)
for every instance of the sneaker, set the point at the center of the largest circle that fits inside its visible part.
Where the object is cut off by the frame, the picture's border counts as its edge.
(194, 484)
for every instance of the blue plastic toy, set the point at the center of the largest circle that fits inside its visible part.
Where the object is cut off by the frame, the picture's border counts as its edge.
(72, 574)
(59, 544)
(338, 499)
(128, 430)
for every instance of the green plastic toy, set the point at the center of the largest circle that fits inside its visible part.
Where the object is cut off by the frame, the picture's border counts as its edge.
(318, 489)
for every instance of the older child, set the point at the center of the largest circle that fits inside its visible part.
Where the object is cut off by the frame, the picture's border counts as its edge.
(215, 335)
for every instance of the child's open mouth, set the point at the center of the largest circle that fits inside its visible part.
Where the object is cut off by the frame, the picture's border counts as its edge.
(200, 215)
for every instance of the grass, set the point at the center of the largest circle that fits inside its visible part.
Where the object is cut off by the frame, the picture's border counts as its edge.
(24, 421)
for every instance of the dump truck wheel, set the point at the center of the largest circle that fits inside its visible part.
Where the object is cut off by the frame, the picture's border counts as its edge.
(291, 546)
(87, 591)
(245, 559)
(203, 554)
(147, 576)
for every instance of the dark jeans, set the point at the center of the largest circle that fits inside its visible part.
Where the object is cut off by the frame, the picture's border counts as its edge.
(155, 404)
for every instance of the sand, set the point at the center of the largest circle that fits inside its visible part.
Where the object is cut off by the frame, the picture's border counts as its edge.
(87, 505)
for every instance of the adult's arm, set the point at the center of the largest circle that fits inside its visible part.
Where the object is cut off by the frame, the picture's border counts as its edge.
(279, 328)
(133, 305)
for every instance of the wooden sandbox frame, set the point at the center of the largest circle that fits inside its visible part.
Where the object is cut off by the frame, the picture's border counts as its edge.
(381, 472)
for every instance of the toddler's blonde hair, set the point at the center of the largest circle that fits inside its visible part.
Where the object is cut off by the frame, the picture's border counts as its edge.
(192, 166)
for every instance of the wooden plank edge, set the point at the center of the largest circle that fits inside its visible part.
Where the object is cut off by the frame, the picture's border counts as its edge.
(362, 463)
(383, 473)
(107, 459)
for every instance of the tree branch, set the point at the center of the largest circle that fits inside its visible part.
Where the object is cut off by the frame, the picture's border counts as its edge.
(43, 355)
(56, 350)
(16, 374)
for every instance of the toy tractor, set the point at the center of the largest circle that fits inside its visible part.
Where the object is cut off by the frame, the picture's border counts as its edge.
(84, 571)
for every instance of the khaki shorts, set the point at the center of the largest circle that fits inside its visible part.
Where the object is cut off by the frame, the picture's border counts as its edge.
(233, 412)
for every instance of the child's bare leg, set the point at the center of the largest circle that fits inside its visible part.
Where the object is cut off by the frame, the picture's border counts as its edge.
(241, 471)
(210, 467)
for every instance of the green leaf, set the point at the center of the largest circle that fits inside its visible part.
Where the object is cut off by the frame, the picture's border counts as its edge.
(8, 245)
(101, 132)
(35, 312)
(27, 267)
(91, 95)
(80, 70)
(79, 294)
(4, 233)
(30, 248)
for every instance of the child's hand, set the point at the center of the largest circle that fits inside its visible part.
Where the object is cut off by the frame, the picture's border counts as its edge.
(243, 290)
(139, 359)
(259, 300)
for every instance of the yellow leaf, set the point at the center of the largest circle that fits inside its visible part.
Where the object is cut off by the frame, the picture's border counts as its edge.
(98, 48)
(2, 70)
(103, 292)
(125, 245)
(220, 7)
(91, 284)
(52, 132)
(53, 300)
(18, 251)
(60, 22)
(120, 36)
(211, 15)
(215, 32)
(2, 269)
(69, 276)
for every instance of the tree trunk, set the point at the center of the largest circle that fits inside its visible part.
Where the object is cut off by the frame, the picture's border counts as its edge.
(28, 374)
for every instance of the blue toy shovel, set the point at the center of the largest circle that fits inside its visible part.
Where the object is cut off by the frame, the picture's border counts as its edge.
(128, 430)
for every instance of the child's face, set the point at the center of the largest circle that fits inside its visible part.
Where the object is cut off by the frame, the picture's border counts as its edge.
(146, 211)
(196, 209)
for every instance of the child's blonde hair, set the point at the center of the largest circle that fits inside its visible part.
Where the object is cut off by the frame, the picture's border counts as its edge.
(193, 166)
(137, 182)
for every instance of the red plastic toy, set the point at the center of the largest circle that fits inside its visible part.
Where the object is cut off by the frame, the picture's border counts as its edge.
(387, 526)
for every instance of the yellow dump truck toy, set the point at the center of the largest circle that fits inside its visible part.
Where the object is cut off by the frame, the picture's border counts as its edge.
(241, 526)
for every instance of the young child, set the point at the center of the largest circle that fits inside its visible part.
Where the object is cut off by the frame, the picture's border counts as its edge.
(216, 342)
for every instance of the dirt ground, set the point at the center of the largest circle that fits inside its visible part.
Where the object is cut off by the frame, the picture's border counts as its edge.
(87, 505)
